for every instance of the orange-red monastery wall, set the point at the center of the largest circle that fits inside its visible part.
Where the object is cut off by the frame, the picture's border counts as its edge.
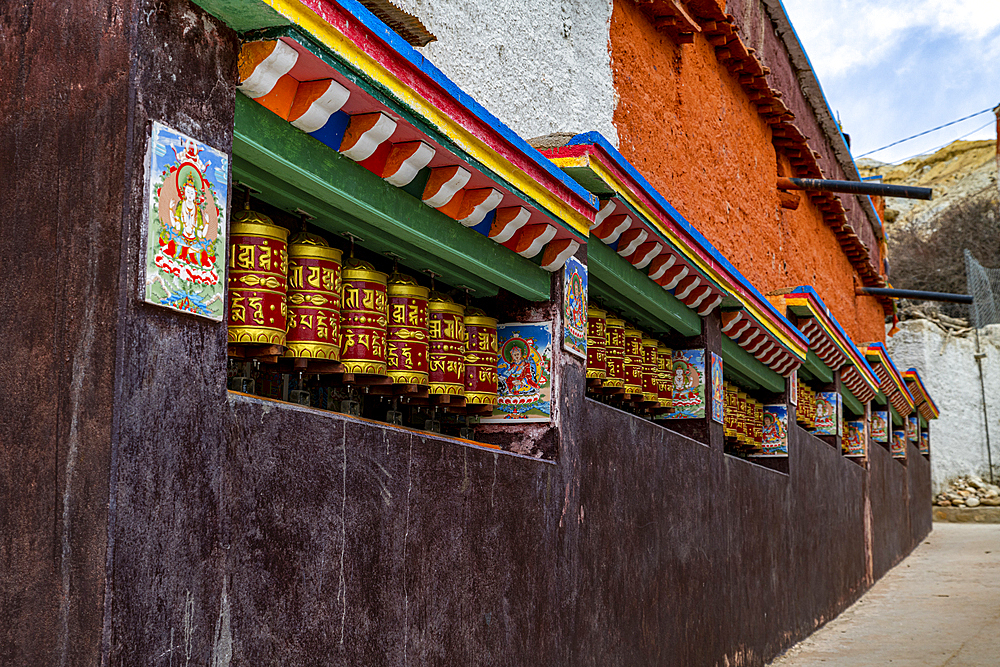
(687, 125)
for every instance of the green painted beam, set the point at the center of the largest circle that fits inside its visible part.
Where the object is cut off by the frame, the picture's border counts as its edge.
(243, 15)
(738, 361)
(880, 398)
(851, 402)
(816, 369)
(634, 295)
(896, 419)
(300, 172)
(923, 422)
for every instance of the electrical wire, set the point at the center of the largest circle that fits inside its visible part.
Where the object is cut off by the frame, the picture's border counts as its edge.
(933, 129)
(937, 148)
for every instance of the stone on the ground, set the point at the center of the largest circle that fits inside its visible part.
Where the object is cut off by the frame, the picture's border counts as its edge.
(972, 502)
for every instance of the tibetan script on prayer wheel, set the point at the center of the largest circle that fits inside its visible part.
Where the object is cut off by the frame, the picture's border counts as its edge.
(363, 318)
(633, 361)
(258, 252)
(597, 366)
(664, 371)
(480, 358)
(650, 390)
(447, 345)
(615, 352)
(407, 345)
(313, 298)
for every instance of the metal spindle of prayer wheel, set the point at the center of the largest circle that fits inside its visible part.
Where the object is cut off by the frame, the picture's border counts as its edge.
(363, 318)
(633, 361)
(615, 352)
(650, 389)
(447, 345)
(258, 251)
(597, 365)
(313, 298)
(408, 339)
(480, 358)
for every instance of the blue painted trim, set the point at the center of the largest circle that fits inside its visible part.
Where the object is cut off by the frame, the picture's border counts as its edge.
(403, 48)
(597, 139)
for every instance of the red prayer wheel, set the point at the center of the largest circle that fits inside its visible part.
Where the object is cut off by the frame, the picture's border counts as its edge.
(447, 345)
(729, 412)
(480, 358)
(614, 352)
(258, 251)
(664, 371)
(407, 343)
(313, 298)
(633, 361)
(650, 372)
(363, 318)
(597, 365)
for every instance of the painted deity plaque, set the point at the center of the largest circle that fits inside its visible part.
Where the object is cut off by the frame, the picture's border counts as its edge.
(925, 443)
(880, 426)
(775, 436)
(898, 446)
(854, 440)
(718, 390)
(793, 387)
(687, 385)
(575, 307)
(912, 429)
(827, 412)
(185, 241)
(524, 373)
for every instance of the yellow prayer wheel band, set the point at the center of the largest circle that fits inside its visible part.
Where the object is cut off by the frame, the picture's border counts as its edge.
(633, 333)
(615, 322)
(363, 366)
(258, 229)
(408, 290)
(481, 398)
(650, 342)
(614, 383)
(594, 311)
(408, 377)
(652, 398)
(313, 351)
(594, 373)
(448, 388)
(304, 250)
(480, 321)
(349, 274)
(446, 307)
(264, 335)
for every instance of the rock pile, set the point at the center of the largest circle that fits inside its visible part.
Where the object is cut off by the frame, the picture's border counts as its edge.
(969, 491)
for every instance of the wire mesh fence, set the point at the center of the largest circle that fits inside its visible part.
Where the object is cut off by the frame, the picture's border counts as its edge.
(984, 286)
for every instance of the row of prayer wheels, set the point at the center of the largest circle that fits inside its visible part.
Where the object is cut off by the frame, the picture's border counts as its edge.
(742, 419)
(623, 360)
(805, 411)
(298, 294)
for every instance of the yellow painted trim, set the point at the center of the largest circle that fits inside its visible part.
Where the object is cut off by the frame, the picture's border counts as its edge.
(625, 193)
(332, 38)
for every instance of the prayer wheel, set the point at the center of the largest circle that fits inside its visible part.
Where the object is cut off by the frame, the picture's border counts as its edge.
(363, 318)
(742, 425)
(633, 361)
(650, 372)
(313, 298)
(758, 425)
(729, 412)
(480, 358)
(407, 337)
(447, 345)
(258, 250)
(614, 352)
(664, 371)
(597, 366)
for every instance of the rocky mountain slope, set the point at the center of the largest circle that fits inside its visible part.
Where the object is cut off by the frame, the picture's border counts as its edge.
(959, 171)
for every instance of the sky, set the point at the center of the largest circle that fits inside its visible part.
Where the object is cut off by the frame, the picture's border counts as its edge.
(893, 68)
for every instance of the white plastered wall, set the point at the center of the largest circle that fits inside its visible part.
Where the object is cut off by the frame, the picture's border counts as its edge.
(540, 66)
(948, 368)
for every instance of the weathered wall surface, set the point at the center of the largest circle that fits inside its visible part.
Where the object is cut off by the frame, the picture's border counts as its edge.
(539, 66)
(687, 125)
(63, 103)
(948, 367)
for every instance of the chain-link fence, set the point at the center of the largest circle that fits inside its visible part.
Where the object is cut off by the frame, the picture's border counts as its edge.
(984, 286)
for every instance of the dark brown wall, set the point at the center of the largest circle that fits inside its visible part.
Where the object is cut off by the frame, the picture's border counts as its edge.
(63, 107)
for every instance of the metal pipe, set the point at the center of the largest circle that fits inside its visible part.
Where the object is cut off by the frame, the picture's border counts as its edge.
(854, 187)
(913, 294)
(986, 418)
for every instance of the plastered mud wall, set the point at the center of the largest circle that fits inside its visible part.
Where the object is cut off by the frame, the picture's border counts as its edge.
(948, 367)
(686, 124)
(540, 66)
